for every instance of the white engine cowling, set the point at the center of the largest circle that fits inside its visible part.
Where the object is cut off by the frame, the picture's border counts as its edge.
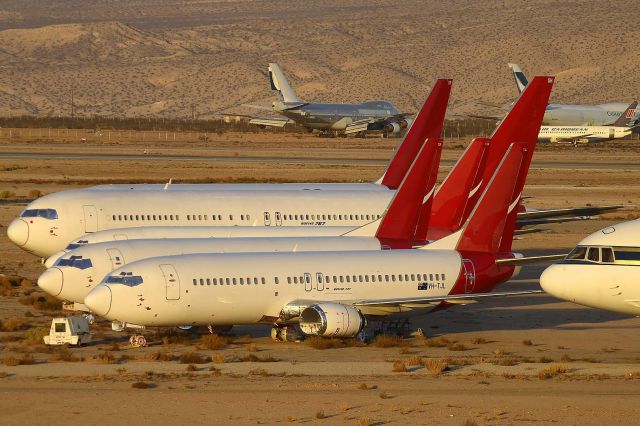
(331, 320)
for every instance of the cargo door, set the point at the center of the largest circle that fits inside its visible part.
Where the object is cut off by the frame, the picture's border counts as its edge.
(116, 257)
(90, 218)
(469, 275)
(171, 281)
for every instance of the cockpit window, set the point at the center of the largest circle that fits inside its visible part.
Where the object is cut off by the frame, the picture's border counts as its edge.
(593, 254)
(45, 213)
(577, 253)
(77, 244)
(607, 255)
(74, 262)
(126, 278)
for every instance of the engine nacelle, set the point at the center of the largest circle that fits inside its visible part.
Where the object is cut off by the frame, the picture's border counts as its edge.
(397, 126)
(332, 320)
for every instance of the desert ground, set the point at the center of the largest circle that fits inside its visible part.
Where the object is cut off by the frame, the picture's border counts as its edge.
(509, 361)
(179, 58)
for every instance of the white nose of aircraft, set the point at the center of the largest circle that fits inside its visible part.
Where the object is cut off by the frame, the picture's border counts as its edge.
(51, 281)
(18, 232)
(553, 281)
(99, 300)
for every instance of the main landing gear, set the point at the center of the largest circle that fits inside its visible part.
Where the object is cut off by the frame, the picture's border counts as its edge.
(285, 333)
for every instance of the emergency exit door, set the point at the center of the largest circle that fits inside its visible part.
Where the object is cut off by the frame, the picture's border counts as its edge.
(90, 218)
(171, 281)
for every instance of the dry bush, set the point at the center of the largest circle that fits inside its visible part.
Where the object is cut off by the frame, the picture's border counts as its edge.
(9, 283)
(142, 385)
(457, 347)
(320, 415)
(259, 372)
(26, 359)
(35, 193)
(256, 358)
(386, 341)
(219, 358)
(527, 342)
(544, 360)
(194, 358)
(35, 335)
(192, 367)
(251, 347)
(552, 371)
(566, 358)
(413, 361)
(479, 341)
(4, 374)
(399, 367)
(14, 324)
(7, 194)
(438, 342)
(159, 356)
(42, 302)
(106, 358)
(318, 342)
(435, 366)
(507, 362)
(173, 337)
(499, 352)
(365, 421)
(469, 422)
(214, 342)
(384, 395)
(364, 386)
(114, 347)
(65, 355)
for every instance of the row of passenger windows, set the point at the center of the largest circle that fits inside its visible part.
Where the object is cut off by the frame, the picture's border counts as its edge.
(243, 217)
(605, 254)
(327, 279)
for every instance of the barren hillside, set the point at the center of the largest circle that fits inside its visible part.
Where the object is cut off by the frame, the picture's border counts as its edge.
(165, 57)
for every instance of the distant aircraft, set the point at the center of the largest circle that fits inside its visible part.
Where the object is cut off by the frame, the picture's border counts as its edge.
(329, 118)
(621, 128)
(601, 271)
(577, 115)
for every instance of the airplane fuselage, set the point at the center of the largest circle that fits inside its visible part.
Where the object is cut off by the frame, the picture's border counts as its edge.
(325, 116)
(585, 115)
(581, 134)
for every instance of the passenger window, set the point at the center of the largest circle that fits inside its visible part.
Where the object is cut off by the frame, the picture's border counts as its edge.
(195, 281)
(208, 281)
(241, 281)
(341, 278)
(413, 277)
(577, 253)
(437, 277)
(215, 281)
(594, 254)
(347, 278)
(400, 277)
(276, 280)
(228, 281)
(201, 281)
(295, 280)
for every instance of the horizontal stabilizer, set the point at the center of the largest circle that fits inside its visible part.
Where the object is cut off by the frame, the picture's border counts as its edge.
(530, 260)
(272, 122)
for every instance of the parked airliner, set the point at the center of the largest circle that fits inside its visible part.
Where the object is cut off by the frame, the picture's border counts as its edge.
(74, 274)
(50, 223)
(600, 272)
(328, 293)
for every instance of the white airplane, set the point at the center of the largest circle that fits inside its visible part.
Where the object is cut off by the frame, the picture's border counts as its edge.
(50, 223)
(74, 274)
(619, 129)
(600, 272)
(331, 293)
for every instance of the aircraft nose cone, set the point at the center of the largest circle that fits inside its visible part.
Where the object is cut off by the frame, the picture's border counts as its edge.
(18, 232)
(99, 300)
(552, 281)
(51, 281)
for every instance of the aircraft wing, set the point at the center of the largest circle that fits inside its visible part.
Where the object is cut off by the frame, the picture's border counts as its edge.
(572, 211)
(452, 298)
(573, 138)
(269, 121)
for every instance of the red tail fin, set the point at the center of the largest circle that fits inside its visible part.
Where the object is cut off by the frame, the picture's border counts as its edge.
(426, 125)
(398, 224)
(484, 230)
(454, 195)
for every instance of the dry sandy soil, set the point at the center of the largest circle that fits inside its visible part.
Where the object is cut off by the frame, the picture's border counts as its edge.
(521, 360)
(163, 57)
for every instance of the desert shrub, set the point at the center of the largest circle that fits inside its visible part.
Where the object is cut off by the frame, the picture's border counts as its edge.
(255, 358)
(365, 421)
(142, 385)
(214, 342)
(507, 361)
(191, 368)
(552, 371)
(399, 367)
(9, 283)
(457, 347)
(35, 193)
(219, 358)
(159, 356)
(65, 355)
(435, 366)
(13, 324)
(318, 342)
(364, 386)
(438, 342)
(544, 360)
(479, 341)
(12, 361)
(320, 415)
(527, 342)
(385, 341)
(42, 302)
(35, 335)
(194, 358)
(251, 347)
(7, 194)
(259, 372)
(106, 358)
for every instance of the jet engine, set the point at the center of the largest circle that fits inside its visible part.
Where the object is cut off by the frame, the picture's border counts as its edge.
(397, 126)
(332, 320)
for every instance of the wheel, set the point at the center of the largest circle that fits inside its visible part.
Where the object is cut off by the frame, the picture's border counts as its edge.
(142, 341)
(275, 334)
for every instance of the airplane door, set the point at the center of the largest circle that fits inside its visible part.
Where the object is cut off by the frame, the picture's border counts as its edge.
(90, 218)
(278, 219)
(171, 282)
(308, 285)
(267, 219)
(116, 257)
(320, 280)
(469, 275)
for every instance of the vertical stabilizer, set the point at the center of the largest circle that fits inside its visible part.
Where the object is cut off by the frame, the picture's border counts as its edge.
(427, 124)
(519, 77)
(626, 118)
(280, 83)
